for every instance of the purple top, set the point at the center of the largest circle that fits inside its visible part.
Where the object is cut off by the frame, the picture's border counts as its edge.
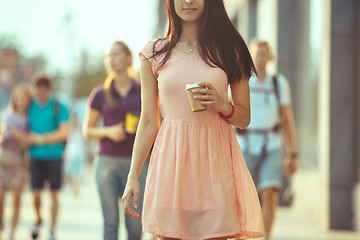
(115, 115)
(20, 122)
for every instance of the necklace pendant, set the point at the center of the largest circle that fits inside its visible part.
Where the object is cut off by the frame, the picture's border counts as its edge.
(191, 50)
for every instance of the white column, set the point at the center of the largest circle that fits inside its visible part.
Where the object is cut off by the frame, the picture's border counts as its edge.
(323, 185)
(267, 26)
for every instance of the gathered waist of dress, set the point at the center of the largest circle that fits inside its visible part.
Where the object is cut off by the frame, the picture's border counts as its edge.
(208, 115)
(218, 120)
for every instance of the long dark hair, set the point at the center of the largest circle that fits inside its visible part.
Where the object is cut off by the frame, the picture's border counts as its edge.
(220, 43)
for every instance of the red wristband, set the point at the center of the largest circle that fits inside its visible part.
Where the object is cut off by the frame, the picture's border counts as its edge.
(230, 115)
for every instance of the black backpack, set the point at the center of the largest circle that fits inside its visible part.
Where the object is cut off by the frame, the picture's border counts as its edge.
(276, 90)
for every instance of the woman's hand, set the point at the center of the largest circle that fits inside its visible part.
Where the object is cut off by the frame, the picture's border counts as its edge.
(116, 133)
(132, 189)
(35, 139)
(25, 142)
(207, 92)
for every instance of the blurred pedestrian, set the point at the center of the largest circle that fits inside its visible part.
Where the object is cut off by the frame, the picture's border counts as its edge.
(75, 155)
(272, 123)
(198, 185)
(116, 104)
(13, 149)
(49, 130)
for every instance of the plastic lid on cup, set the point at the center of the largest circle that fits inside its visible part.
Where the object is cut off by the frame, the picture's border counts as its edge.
(190, 86)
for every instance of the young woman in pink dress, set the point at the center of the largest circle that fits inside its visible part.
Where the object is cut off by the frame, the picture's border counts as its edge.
(198, 185)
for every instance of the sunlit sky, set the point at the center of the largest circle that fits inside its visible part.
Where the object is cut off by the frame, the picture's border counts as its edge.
(39, 26)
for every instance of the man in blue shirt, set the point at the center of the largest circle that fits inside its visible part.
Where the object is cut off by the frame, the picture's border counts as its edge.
(272, 126)
(49, 130)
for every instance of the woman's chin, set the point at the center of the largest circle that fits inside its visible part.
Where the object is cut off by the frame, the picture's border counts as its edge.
(191, 19)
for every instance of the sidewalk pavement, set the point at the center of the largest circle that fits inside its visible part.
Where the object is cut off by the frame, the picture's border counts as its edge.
(80, 219)
(292, 226)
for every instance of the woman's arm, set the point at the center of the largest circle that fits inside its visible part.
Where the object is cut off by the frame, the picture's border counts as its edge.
(146, 133)
(241, 100)
(91, 130)
(17, 134)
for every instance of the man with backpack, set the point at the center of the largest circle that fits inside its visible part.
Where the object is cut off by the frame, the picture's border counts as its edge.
(48, 131)
(272, 124)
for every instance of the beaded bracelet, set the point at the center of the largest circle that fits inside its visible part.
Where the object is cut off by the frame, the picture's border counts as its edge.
(230, 115)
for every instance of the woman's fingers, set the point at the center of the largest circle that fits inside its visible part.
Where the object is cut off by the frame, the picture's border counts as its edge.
(204, 91)
(207, 103)
(206, 85)
(127, 201)
(207, 95)
(117, 136)
(136, 199)
(206, 98)
(132, 213)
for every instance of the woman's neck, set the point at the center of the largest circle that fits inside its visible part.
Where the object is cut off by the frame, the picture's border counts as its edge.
(122, 83)
(189, 34)
(122, 79)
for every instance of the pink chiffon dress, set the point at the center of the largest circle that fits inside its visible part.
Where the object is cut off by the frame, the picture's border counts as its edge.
(198, 185)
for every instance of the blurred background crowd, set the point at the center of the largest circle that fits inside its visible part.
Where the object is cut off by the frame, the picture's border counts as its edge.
(316, 45)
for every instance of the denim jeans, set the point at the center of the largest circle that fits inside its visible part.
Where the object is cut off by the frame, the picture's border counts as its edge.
(265, 169)
(111, 175)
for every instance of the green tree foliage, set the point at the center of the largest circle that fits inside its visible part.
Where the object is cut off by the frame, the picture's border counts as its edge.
(91, 73)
